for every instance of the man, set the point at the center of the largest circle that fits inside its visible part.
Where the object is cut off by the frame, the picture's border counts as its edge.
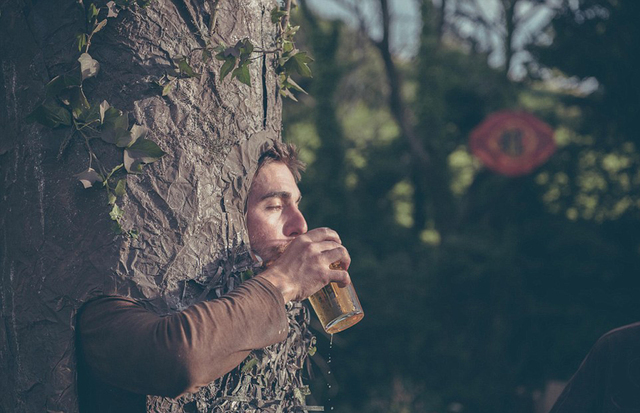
(127, 351)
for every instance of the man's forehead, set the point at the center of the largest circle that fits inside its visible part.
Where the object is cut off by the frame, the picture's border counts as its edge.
(274, 179)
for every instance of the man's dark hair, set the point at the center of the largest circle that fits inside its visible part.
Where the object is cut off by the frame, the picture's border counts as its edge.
(286, 153)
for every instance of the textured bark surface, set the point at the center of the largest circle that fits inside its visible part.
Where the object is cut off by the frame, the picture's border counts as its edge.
(57, 247)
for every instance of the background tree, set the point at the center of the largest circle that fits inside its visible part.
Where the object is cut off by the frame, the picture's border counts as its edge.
(478, 289)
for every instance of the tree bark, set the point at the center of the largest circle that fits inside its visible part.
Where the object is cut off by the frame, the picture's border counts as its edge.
(58, 248)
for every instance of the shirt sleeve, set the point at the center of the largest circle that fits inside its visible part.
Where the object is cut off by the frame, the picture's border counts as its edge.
(130, 347)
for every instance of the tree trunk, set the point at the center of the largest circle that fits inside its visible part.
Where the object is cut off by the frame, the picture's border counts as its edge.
(58, 248)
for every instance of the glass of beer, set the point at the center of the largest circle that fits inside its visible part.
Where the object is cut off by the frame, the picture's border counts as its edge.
(337, 308)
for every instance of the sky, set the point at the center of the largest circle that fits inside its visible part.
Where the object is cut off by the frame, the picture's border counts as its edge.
(405, 29)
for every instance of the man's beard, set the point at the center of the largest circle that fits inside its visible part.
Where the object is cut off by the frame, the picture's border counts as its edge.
(272, 253)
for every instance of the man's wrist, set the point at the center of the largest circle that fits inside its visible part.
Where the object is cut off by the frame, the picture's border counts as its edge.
(278, 281)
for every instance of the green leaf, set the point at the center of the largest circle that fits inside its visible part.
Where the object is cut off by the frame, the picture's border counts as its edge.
(249, 365)
(111, 197)
(312, 350)
(291, 31)
(185, 68)
(88, 66)
(227, 67)
(142, 152)
(246, 275)
(246, 49)
(50, 114)
(88, 178)
(242, 74)
(277, 14)
(78, 102)
(81, 38)
(133, 233)
(298, 62)
(287, 46)
(120, 187)
(89, 115)
(60, 83)
(128, 139)
(117, 228)
(116, 213)
(115, 128)
(92, 12)
(166, 89)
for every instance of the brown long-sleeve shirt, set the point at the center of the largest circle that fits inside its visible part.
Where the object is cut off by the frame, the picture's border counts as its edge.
(132, 349)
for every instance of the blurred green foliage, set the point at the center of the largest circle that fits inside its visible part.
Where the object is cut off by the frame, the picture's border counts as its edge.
(477, 288)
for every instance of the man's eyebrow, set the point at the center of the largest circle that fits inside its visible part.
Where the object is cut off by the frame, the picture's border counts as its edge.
(279, 194)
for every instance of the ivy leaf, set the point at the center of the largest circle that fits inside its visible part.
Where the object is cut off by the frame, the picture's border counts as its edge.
(60, 83)
(130, 138)
(120, 187)
(50, 114)
(291, 31)
(242, 74)
(88, 66)
(185, 68)
(249, 365)
(277, 14)
(114, 127)
(92, 12)
(227, 67)
(81, 38)
(166, 89)
(78, 102)
(287, 46)
(246, 48)
(89, 115)
(298, 62)
(141, 152)
(116, 213)
(88, 178)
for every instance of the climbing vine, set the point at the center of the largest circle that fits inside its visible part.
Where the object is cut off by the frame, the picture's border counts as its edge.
(65, 104)
(236, 58)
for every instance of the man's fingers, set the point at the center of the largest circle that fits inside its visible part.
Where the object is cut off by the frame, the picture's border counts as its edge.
(341, 278)
(338, 255)
(323, 234)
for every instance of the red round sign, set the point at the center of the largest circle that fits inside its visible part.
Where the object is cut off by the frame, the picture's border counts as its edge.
(512, 143)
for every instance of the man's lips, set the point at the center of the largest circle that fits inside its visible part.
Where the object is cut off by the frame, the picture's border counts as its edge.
(272, 252)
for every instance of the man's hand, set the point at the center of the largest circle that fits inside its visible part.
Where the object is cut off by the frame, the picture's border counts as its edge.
(304, 267)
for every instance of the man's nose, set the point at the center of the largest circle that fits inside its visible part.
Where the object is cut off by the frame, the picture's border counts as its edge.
(296, 224)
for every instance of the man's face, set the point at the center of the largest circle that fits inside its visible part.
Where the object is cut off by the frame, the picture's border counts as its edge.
(273, 217)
